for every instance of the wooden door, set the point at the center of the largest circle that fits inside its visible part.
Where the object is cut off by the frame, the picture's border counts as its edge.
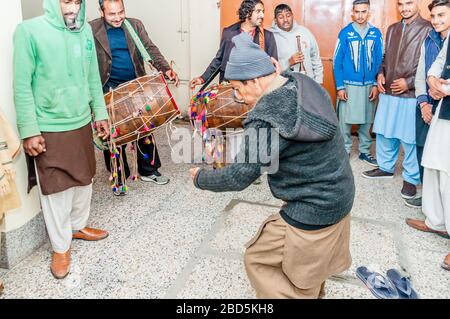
(325, 18)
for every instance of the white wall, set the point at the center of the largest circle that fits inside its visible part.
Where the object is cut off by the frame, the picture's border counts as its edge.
(30, 204)
(32, 8)
(205, 34)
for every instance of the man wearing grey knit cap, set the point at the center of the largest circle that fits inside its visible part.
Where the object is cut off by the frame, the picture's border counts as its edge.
(298, 249)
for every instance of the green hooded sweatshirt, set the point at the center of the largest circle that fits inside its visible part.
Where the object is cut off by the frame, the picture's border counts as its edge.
(57, 84)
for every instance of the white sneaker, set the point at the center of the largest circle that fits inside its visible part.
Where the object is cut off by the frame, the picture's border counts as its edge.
(159, 180)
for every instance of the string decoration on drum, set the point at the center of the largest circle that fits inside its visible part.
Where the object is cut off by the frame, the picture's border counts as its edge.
(136, 110)
(212, 112)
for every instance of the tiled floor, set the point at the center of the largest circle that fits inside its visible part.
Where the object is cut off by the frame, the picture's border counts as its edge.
(175, 241)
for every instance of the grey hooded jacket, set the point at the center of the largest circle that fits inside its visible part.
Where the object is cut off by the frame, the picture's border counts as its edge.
(314, 178)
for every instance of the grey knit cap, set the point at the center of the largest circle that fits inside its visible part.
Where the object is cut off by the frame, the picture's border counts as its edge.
(361, 2)
(247, 60)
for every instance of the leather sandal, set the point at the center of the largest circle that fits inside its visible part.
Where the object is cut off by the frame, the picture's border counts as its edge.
(421, 226)
(446, 264)
(90, 234)
(60, 265)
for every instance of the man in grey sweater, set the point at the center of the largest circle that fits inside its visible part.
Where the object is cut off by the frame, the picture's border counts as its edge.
(298, 249)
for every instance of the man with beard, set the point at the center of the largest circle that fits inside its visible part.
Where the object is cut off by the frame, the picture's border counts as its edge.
(299, 248)
(120, 61)
(251, 18)
(286, 31)
(56, 89)
(396, 114)
(357, 59)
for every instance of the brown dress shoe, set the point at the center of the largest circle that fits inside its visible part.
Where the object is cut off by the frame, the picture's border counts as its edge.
(420, 225)
(446, 263)
(60, 265)
(2, 288)
(90, 234)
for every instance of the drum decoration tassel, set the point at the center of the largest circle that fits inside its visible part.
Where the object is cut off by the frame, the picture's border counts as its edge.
(134, 173)
(214, 110)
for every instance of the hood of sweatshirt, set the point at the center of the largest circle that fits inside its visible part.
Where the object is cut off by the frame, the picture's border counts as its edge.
(53, 15)
(276, 29)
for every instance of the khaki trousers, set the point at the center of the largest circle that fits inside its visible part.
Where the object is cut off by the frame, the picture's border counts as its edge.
(286, 262)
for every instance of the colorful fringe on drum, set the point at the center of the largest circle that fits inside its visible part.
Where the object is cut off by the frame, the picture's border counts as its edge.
(147, 127)
(213, 140)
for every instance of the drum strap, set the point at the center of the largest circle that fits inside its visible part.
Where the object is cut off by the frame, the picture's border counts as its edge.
(144, 53)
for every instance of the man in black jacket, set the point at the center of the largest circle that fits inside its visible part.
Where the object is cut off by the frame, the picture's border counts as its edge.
(298, 249)
(251, 17)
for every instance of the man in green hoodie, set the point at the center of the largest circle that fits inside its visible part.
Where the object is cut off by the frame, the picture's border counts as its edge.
(57, 89)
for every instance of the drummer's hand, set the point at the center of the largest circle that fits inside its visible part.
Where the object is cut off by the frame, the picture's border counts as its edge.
(194, 172)
(102, 129)
(196, 81)
(173, 76)
(34, 146)
(277, 66)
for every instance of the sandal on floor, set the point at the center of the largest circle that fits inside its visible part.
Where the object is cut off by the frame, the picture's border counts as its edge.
(380, 286)
(403, 285)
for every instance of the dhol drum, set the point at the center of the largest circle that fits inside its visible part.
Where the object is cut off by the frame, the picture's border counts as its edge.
(218, 108)
(213, 112)
(136, 109)
(139, 107)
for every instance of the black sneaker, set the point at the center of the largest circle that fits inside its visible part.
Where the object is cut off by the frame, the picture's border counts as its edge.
(369, 159)
(415, 202)
(377, 174)
(409, 191)
(119, 191)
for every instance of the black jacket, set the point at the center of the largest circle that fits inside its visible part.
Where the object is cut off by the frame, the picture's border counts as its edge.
(223, 54)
